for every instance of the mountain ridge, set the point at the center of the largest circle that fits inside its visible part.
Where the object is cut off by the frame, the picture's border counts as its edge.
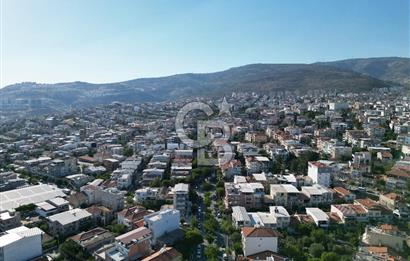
(345, 75)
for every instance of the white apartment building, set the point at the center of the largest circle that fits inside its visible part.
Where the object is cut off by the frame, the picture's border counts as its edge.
(318, 194)
(21, 243)
(146, 194)
(256, 240)
(281, 215)
(110, 197)
(277, 217)
(149, 175)
(320, 173)
(162, 222)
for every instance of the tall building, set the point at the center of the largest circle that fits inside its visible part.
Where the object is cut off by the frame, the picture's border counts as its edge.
(162, 222)
(181, 198)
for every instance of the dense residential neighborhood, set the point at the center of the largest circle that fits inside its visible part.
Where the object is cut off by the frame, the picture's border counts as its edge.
(319, 176)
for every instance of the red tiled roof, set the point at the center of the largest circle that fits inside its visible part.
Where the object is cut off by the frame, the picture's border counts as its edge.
(260, 232)
(367, 203)
(133, 234)
(342, 191)
(169, 253)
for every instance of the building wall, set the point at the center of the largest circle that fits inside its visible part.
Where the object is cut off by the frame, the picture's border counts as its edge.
(253, 245)
(319, 176)
(24, 249)
(376, 239)
(166, 223)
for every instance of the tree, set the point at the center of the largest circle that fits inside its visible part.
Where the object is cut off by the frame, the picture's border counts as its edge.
(207, 186)
(194, 222)
(318, 235)
(155, 183)
(316, 249)
(220, 193)
(117, 229)
(128, 151)
(237, 246)
(70, 250)
(329, 256)
(193, 236)
(211, 252)
(226, 227)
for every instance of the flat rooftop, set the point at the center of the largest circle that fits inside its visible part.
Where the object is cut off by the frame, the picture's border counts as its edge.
(29, 195)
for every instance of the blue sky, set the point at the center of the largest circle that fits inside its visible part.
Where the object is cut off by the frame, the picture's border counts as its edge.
(106, 41)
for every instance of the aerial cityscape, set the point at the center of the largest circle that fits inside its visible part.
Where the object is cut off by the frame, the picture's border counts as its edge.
(275, 161)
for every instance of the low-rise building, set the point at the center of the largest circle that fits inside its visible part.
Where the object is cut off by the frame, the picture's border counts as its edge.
(146, 194)
(93, 239)
(320, 218)
(133, 245)
(165, 254)
(248, 195)
(68, 222)
(52, 206)
(285, 195)
(9, 220)
(318, 195)
(109, 197)
(256, 240)
(385, 235)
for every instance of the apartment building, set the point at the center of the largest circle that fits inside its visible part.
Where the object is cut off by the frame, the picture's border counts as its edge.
(285, 195)
(149, 175)
(277, 217)
(108, 197)
(317, 194)
(161, 222)
(248, 195)
(320, 173)
(68, 222)
(133, 245)
(93, 239)
(146, 194)
(52, 206)
(9, 220)
(385, 235)
(256, 240)
(181, 198)
(257, 164)
(132, 217)
(21, 244)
